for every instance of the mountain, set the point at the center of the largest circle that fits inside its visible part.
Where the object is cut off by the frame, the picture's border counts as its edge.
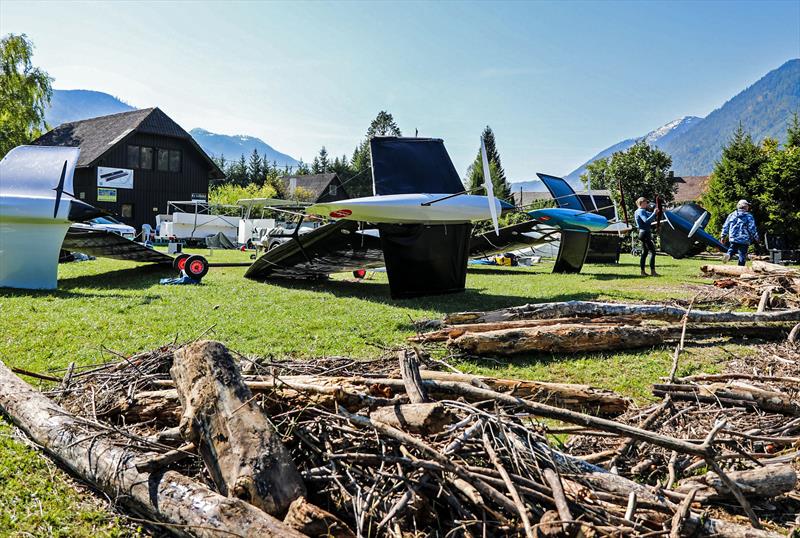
(665, 133)
(232, 146)
(74, 105)
(764, 110)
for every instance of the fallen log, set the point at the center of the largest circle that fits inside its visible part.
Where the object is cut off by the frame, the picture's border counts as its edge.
(762, 482)
(760, 266)
(183, 506)
(727, 270)
(238, 445)
(735, 393)
(572, 338)
(596, 309)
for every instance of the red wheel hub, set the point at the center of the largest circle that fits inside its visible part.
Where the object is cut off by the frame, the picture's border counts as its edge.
(181, 264)
(196, 267)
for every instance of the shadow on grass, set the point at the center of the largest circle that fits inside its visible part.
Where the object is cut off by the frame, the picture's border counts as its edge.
(134, 278)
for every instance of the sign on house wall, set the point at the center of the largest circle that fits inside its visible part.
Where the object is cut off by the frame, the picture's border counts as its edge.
(118, 178)
(105, 194)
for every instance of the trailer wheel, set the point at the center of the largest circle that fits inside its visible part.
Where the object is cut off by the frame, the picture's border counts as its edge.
(179, 262)
(360, 273)
(196, 267)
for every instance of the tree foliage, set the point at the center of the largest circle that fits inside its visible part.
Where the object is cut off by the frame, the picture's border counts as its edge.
(361, 184)
(641, 170)
(229, 194)
(25, 93)
(475, 179)
(765, 174)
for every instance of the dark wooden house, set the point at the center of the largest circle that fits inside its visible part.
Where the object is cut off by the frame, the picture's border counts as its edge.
(133, 163)
(318, 187)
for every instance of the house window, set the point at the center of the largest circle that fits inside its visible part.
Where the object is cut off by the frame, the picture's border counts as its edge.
(332, 190)
(174, 160)
(146, 161)
(163, 160)
(126, 211)
(133, 156)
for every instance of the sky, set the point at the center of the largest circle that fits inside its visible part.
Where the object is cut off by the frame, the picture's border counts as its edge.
(556, 81)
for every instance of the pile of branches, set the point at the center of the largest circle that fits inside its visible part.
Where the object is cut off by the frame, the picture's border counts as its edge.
(763, 285)
(392, 447)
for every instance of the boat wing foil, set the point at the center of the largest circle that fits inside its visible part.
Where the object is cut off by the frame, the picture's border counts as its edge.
(105, 244)
(332, 248)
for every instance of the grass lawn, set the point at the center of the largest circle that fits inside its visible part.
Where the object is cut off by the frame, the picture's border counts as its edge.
(108, 304)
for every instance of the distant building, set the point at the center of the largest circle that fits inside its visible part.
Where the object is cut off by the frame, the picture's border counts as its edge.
(133, 163)
(321, 187)
(690, 188)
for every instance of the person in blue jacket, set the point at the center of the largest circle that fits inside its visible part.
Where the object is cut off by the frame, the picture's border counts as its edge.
(740, 231)
(644, 221)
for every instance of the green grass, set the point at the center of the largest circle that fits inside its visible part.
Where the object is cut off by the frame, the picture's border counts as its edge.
(119, 306)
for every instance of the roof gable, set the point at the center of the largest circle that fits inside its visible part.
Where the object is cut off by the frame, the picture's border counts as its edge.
(96, 136)
(317, 184)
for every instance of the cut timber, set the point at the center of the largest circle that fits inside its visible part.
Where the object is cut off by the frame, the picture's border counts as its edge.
(314, 521)
(242, 452)
(735, 393)
(595, 309)
(774, 269)
(727, 270)
(148, 406)
(428, 418)
(186, 507)
(763, 482)
(565, 338)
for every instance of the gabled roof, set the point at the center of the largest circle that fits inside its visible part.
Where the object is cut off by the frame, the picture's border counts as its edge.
(316, 183)
(690, 188)
(96, 136)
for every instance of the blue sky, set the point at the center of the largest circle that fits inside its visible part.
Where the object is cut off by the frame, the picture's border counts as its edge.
(557, 81)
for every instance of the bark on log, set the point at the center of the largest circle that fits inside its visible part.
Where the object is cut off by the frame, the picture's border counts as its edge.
(571, 338)
(409, 372)
(596, 309)
(760, 266)
(733, 393)
(763, 482)
(427, 418)
(242, 452)
(315, 522)
(188, 508)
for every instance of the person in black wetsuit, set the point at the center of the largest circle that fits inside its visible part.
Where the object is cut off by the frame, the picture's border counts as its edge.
(644, 221)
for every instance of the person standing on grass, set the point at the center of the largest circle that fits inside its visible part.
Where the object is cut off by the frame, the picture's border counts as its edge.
(644, 221)
(740, 231)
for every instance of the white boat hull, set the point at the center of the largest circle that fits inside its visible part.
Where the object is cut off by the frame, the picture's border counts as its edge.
(408, 209)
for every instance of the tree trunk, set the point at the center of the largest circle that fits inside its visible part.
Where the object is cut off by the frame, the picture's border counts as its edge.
(567, 338)
(595, 309)
(187, 507)
(734, 393)
(427, 418)
(242, 452)
(762, 482)
(727, 270)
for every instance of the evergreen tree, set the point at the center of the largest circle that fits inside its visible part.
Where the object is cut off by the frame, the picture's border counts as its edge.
(255, 169)
(475, 179)
(361, 180)
(25, 93)
(237, 172)
(302, 168)
(793, 132)
(734, 178)
(324, 164)
(316, 168)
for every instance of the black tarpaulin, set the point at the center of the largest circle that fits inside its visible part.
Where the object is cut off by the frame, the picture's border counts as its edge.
(333, 248)
(604, 248)
(572, 251)
(425, 260)
(412, 165)
(563, 194)
(219, 241)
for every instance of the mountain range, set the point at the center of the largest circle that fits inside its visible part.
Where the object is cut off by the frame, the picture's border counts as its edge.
(74, 105)
(763, 109)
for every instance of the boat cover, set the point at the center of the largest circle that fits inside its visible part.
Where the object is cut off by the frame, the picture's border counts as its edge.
(425, 260)
(105, 244)
(333, 248)
(412, 166)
